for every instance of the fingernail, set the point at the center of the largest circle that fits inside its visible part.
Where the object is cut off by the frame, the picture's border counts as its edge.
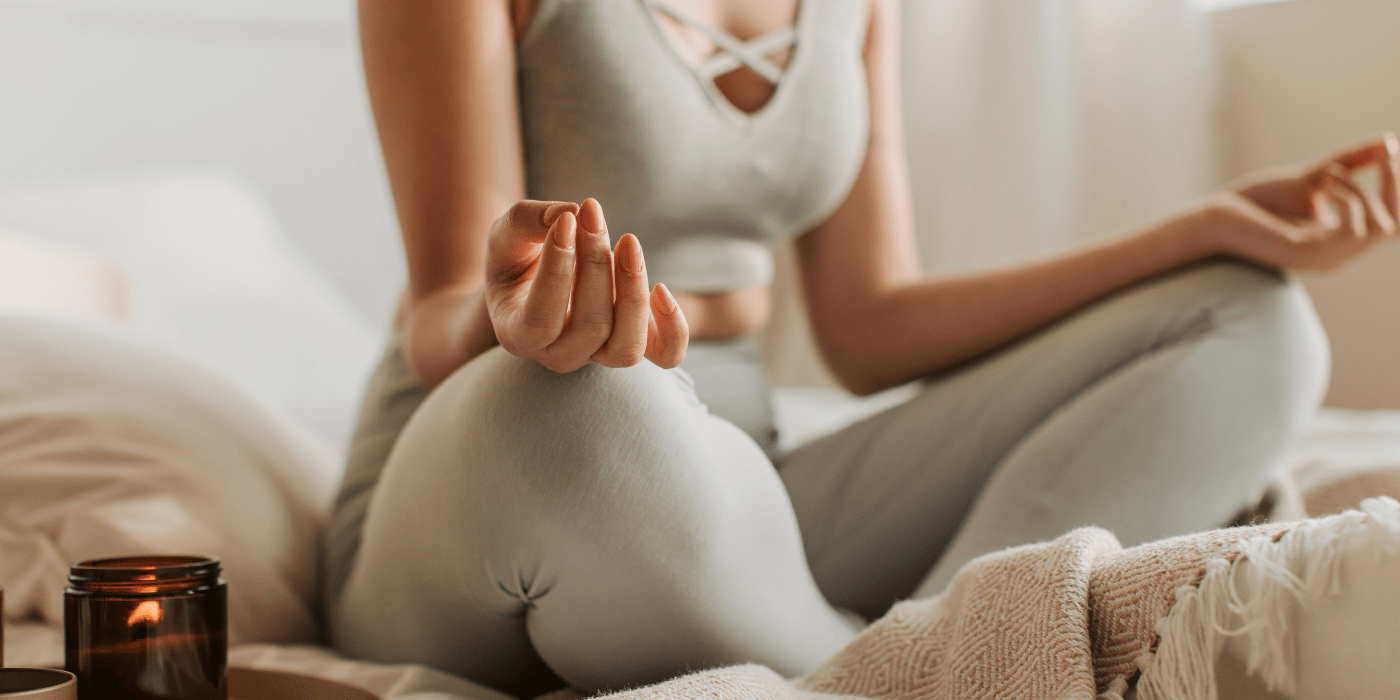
(591, 216)
(629, 254)
(668, 302)
(1392, 144)
(563, 231)
(552, 212)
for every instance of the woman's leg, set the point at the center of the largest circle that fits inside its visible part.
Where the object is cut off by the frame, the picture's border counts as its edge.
(600, 523)
(1155, 412)
(391, 399)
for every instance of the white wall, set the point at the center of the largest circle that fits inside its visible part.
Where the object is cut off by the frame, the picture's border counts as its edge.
(267, 90)
(1302, 78)
(271, 91)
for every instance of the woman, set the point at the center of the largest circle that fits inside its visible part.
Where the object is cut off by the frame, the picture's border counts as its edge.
(535, 493)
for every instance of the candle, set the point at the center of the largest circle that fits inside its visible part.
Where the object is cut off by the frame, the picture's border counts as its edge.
(147, 628)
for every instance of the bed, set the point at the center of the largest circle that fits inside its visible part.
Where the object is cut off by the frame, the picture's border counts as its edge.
(184, 380)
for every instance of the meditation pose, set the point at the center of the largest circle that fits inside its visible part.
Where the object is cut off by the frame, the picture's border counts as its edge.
(566, 469)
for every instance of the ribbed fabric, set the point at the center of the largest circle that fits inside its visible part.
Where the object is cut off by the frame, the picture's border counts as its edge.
(610, 110)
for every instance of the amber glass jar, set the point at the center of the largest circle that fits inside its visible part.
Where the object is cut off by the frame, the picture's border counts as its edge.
(147, 628)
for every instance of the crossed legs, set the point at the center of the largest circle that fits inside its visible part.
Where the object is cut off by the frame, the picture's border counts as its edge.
(1154, 413)
(602, 526)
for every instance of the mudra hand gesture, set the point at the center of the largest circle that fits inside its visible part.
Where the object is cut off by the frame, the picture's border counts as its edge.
(558, 293)
(1315, 217)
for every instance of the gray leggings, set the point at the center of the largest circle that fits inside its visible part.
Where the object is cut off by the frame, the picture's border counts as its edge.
(605, 527)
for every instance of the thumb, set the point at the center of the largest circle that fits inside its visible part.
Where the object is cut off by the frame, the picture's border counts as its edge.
(515, 238)
(1259, 216)
(528, 221)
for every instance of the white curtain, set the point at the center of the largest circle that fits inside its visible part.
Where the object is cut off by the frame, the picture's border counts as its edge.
(1035, 126)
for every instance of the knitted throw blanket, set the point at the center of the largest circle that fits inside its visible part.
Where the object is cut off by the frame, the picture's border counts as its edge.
(1080, 617)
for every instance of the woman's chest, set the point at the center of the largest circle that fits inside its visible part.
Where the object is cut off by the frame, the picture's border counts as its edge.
(688, 26)
(611, 109)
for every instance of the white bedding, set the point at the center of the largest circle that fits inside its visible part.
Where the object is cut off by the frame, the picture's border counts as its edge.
(110, 446)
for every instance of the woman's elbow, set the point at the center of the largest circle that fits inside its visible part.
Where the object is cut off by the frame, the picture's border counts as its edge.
(863, 386)
(855, 349)
(856, 369)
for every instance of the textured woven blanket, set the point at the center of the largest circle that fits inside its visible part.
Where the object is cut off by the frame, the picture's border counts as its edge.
(1080, 617)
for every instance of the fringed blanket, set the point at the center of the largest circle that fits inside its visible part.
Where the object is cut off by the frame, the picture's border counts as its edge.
(1080, 617)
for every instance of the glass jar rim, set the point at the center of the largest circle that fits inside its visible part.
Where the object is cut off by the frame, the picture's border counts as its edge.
(149, 568)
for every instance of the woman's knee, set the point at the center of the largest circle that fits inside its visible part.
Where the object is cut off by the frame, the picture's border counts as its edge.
(531, 443)
(1266, 318)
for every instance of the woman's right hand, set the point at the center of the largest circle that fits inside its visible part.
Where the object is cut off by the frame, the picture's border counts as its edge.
(557, 293)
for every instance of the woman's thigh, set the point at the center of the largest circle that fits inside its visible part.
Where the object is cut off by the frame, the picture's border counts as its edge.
(1154, 412)
(600, 523)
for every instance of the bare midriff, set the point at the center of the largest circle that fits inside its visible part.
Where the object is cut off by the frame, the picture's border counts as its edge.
(715, 316)
(727, 314)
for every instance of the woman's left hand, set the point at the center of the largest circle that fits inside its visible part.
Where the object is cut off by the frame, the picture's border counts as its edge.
(1314, 218)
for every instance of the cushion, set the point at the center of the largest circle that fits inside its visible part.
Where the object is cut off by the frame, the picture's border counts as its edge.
(112, 446)
(212, 276)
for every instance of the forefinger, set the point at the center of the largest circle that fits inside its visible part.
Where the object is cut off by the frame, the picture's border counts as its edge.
(1369, 153)
(591, 310)
(547, 305)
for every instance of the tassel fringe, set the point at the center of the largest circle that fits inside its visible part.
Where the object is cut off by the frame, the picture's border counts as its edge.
(1257, 602)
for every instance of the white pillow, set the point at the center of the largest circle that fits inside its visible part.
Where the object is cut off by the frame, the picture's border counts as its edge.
(110, 446)
(211, 276)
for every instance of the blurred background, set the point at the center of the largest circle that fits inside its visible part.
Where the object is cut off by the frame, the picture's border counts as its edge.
(220, 150)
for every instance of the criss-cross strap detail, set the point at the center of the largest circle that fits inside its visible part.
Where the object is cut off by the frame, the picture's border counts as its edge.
(735, 52)
(761, 47)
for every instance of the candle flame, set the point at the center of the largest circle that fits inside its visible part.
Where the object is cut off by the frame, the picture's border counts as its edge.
(147, 611)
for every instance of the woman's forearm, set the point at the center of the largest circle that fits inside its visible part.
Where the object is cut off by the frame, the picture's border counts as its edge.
(919, 328)
(441, 78)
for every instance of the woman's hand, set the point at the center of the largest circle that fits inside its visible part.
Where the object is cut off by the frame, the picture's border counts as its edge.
(1315, 218)
(557, 293)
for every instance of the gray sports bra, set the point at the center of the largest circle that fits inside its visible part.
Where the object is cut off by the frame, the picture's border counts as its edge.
(611, 111)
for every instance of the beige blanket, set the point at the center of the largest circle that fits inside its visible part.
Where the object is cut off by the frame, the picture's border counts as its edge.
(1080, 617)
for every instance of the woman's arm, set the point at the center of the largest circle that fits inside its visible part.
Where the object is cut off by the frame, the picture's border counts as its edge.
(441, 78)
(483, 265)
(879, 324)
